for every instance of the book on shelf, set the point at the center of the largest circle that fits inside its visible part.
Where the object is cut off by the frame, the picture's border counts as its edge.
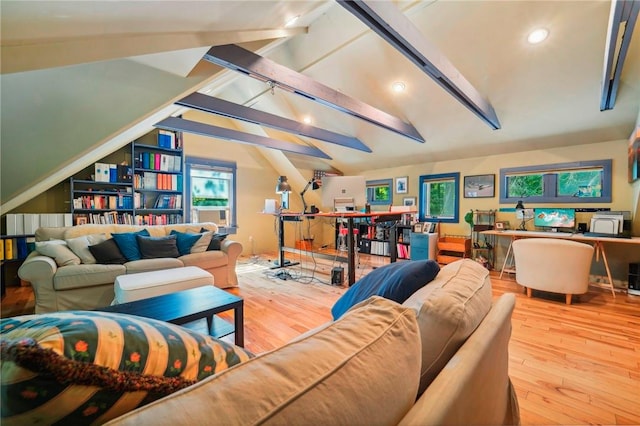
(166, 139)
(31, 244)
(105, 218)
(125, 173)
(159, 162)
(31, 223)
(28, 223)
(8, 248)
(158, 181)
(146, 160)
(21, 244)
(101, 172)
(168, 201)
(402, 251)
(158, 219)
(15, 223)
(113, 173)
(14, 248)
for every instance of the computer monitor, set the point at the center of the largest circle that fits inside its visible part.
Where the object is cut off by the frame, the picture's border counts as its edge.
(554, 218)
(343, 188)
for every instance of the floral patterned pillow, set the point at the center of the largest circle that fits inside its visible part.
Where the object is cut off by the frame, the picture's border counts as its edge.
(95, 366)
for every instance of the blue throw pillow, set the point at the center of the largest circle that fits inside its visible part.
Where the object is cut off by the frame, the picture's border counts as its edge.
(185, 241)
(395, 281)
(128, 244)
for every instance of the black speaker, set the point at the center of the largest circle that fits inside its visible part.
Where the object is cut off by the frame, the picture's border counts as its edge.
(337, 276)
(634, 279)
(582, 227)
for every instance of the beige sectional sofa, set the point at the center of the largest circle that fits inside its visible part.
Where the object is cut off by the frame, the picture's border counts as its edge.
(89, 286)
(440, 358)
(448, 343)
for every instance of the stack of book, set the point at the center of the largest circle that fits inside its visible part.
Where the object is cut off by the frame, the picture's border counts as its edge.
(159, 162)
(158, 219)
(154, 181)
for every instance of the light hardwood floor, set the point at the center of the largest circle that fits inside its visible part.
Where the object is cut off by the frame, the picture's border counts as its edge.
(577, 364)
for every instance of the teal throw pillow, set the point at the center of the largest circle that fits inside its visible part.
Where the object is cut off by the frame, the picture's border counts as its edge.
(128, 244)
(185, 241)
(395, 281)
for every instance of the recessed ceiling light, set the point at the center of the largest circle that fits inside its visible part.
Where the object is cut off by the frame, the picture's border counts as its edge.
(291, 21)
(307, 120)
(538, 36)
(398, 87)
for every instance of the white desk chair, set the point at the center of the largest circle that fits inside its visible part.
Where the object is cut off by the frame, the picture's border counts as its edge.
(553, 265)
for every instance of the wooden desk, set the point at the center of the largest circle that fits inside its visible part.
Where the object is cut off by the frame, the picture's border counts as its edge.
(375, 217)
(598, 245)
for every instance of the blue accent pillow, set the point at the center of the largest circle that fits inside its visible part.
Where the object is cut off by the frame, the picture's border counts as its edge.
(185, 241)
(396, 281)
(128, 244)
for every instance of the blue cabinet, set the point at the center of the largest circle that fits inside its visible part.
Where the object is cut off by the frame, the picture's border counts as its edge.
(423, 246)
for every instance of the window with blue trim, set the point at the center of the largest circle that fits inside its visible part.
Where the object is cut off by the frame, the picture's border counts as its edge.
(579, 182)
(379, 192)
(211, 192)
(439, 198)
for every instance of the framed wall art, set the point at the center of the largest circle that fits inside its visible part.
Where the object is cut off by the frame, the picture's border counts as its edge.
(409, 201)
(480, 186)
(402, 185)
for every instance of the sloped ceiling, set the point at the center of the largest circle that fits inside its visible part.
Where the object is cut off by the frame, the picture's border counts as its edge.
(545, 95)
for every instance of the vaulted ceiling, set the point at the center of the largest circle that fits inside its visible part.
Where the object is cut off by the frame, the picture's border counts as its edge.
(81, 78)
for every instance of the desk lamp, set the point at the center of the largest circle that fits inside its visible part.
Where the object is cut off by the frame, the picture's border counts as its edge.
(283, 188)
(314, 184)
(522, 212)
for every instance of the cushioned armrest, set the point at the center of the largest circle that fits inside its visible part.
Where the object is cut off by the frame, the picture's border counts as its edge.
(474, 386)
(232, 248)
(37, 267)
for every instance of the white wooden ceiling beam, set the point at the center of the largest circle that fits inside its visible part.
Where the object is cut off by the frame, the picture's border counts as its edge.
(29, 55)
